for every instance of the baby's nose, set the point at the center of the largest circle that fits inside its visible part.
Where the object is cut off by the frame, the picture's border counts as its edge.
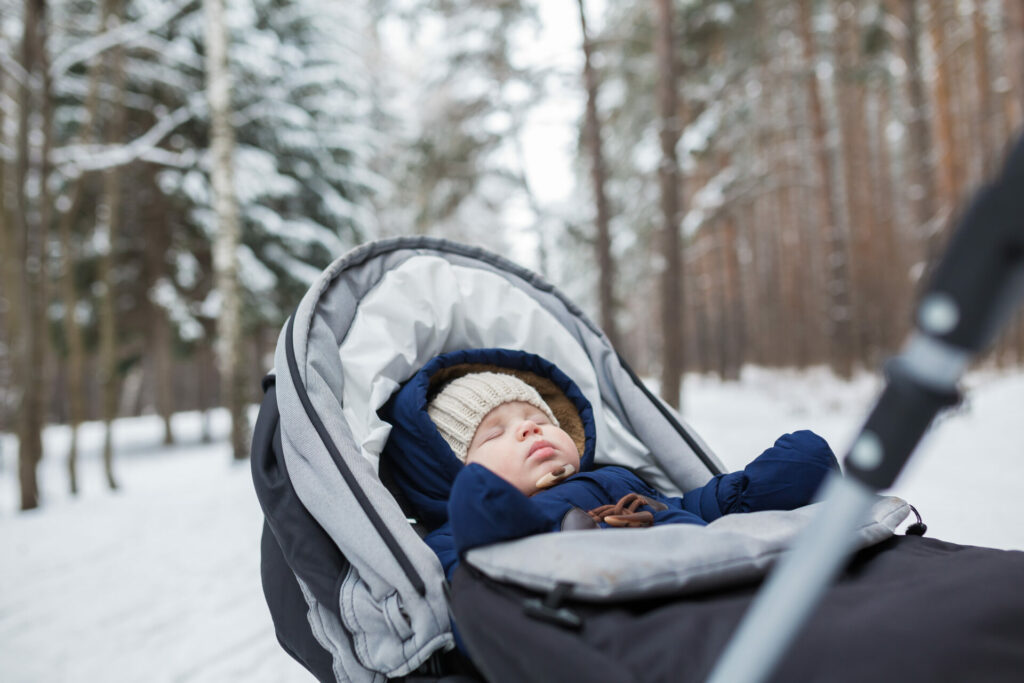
(528, 427)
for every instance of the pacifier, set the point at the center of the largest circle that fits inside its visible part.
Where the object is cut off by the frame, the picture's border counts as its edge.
(552, 478)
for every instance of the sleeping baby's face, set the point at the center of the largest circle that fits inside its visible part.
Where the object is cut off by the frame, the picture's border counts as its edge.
(517, 442)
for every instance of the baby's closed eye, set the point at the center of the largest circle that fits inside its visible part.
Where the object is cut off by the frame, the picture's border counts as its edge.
(492, 433)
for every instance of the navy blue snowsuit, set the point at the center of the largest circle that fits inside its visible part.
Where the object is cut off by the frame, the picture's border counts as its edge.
(466, 506)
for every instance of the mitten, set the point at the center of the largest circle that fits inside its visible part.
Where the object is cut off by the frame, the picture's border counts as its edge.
(784, 477)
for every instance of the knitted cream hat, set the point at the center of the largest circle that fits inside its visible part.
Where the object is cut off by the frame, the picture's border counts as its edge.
(461, 406)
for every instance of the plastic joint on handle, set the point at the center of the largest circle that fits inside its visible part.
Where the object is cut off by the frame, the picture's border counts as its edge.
(894, 428)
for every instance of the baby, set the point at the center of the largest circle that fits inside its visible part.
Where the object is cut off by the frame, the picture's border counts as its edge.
(521, 474)
(500, 422)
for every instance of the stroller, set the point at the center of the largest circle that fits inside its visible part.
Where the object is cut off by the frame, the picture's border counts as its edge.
(356, 595)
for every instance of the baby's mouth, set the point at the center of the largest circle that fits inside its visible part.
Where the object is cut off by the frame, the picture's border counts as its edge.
(540, 448)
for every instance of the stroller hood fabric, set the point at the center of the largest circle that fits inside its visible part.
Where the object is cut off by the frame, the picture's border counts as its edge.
(354, 592)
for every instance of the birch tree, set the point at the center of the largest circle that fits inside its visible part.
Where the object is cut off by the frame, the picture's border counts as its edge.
(222, 146)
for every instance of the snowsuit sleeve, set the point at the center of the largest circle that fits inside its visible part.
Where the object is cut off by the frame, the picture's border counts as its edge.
(784, 477)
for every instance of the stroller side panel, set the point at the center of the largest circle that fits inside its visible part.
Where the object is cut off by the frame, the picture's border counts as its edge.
(289, 611)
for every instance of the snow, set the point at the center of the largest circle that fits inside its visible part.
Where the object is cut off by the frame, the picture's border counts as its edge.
(166, 295)
(160, 580)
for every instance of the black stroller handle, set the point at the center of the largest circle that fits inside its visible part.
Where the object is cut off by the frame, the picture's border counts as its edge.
(973, 292)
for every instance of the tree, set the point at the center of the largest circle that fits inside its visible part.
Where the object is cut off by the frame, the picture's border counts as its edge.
(668, 174)
(108, 229)
(922, 190)
(949, 173)
(986, 120)
(602, 237)
(33, 211)
(10, 262)
(222, 148)
(1015, 55)
(838, 284)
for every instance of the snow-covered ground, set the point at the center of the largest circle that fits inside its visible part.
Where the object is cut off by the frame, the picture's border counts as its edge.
(160, 580)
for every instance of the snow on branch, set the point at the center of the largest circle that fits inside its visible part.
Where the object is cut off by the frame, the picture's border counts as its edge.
(12, 67)
(708, 200)
(124, 34)
(76, 159)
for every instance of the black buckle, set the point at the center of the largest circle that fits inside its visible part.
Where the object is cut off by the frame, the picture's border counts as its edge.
(548, 610)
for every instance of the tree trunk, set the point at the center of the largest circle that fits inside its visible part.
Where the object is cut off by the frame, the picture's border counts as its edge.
(840, 330)
(949, 175)
(222, 147)
(205, 366)
(72, 333)
(731, 315)
(598, 176)
(672, 305)
(34, 214)
(987, 126)
(1015, 57)
(108, 225)
(791, 248)
(852, 102)
(922, 191)
(69, 253)
(10, 279)
(162, 335)
(893, 265)
(701, 306)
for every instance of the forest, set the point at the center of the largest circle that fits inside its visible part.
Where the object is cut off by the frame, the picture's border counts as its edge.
(716, 183)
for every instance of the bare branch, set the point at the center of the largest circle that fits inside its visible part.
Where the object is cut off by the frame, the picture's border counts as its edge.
(12, 67)
(165, 157)
(74, 159)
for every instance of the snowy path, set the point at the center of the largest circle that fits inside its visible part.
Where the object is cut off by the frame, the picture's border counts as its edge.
(160, 581)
